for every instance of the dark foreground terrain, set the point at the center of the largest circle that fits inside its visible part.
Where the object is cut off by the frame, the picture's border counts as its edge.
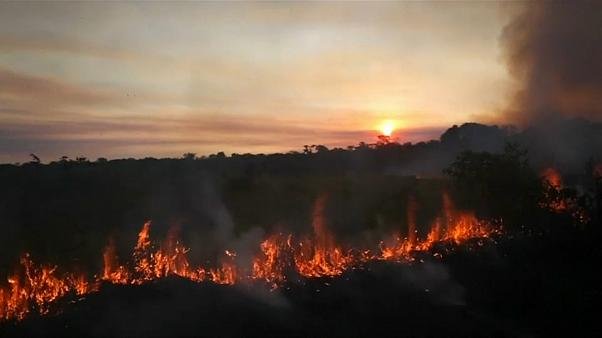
(526, 285)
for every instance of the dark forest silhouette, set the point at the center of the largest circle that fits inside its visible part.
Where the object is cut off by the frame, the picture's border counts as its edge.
(75, 204)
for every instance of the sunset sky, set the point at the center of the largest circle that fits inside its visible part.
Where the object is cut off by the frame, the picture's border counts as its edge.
(160, 79)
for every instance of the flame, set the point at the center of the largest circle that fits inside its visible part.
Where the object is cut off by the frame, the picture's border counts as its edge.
(274, 260)
(554, 200)
(112, 271)
(552, 177)
(226, 274)
(460, 227)
(34, 288)
(559, 202)
(320, 256)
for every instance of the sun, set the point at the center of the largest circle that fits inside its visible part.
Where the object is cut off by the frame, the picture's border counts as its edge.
(387, 127)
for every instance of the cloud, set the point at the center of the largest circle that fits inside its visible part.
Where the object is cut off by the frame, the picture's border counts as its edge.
(17, 87)
(62, 45)
(158, 136)
(52, 118)
(164, 78)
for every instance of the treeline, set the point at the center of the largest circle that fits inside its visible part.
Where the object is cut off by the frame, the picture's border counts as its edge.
(68, 209)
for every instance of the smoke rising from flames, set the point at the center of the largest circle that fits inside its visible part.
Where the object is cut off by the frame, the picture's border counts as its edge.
(281, 257)
(554, 50)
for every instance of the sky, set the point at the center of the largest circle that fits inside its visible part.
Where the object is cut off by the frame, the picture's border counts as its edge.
(139, 79)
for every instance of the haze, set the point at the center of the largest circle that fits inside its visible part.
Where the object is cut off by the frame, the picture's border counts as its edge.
(160, 79)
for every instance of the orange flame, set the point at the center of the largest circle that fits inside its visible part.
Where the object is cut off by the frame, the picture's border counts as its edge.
(460, 227)
(272, 263)
(320, 256)
(112, 271)
(552, 177)
(35, 288)
(554, 201)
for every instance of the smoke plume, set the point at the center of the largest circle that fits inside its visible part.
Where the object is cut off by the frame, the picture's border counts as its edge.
(554, 50)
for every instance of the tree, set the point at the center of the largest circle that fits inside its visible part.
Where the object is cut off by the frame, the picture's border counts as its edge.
(320, 148)
(34, 158)
(383, 140)
(220, 155)
(307, 149)
(362, 145)
(498, 185)
(189, 156)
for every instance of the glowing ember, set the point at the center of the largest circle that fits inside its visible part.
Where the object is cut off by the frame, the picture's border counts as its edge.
(552, 177)
(34, 288)
(554, 200)
(558, 201)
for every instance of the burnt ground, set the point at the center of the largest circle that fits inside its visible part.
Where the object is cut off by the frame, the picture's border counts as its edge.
(522, 285)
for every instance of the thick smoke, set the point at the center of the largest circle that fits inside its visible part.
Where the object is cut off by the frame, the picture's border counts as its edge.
(554, 50)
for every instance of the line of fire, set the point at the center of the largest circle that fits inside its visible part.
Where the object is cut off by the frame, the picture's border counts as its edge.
(34, 287)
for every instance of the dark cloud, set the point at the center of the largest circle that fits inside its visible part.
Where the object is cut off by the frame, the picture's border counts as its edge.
(554, 50)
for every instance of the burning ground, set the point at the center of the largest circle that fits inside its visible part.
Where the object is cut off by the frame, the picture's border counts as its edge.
(522, 286)
(282, 256)
(461, 277)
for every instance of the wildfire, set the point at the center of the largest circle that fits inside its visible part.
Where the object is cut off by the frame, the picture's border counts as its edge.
(552, 177)
(271, 264)
(169, 259)
(558, 201)
(454, 226)
(554, 200)
(320, 256)
(35, 288)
